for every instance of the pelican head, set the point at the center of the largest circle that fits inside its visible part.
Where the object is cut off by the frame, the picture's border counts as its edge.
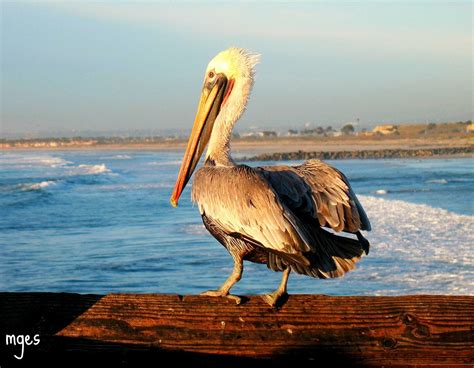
(227, 85)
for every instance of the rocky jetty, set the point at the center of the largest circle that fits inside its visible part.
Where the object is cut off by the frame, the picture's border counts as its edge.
(363, 154)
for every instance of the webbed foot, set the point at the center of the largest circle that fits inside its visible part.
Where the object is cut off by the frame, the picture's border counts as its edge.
(276, 299)
(237, 299)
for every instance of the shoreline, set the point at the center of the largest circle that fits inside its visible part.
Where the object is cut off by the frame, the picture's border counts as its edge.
(300, 148)
(458, 152)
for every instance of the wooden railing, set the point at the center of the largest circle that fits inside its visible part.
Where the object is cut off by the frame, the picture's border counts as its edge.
(415, 330)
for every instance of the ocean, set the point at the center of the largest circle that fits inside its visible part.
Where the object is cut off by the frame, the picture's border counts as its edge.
(101, 222)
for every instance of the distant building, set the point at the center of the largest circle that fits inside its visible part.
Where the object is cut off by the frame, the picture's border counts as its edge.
(470, 128)
(252, 134)
(269, 133)
(313, 131)
(260, 134)
(385, 129)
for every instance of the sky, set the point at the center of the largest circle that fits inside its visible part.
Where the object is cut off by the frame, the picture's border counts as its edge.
(127, 65)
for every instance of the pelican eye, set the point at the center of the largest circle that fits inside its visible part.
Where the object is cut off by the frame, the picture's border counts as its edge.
(211, 75)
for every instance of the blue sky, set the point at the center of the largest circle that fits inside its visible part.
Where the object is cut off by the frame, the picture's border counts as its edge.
(116, 65)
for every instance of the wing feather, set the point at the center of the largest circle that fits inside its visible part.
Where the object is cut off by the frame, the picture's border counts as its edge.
(242, 202)
(282, 209)
(328, 191)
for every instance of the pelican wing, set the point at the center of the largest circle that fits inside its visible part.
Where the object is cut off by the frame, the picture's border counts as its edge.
(245, 206)
(320, 191)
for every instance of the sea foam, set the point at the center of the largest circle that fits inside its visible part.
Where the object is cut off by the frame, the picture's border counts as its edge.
(134, 186)
(36, 186)
(89, 169)
(429, 249)
(28, 160)
(164, 163)
(414, 247)
(437, 181)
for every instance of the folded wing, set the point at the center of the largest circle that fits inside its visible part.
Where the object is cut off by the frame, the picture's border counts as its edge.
(321, 191)
(283, 210)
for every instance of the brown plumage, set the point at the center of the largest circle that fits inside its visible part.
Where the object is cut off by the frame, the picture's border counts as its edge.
(276, 215)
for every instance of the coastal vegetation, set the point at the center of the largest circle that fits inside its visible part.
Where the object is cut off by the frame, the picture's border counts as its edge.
(387, 136)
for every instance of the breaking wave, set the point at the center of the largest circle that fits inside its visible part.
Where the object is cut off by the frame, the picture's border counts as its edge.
(407, 190)
(19, 161)
(135, 186)
(164, 163)
(437, 181)
(36, 186)
(423, 248)
(117, 157)
(89, 169)
(22, 161)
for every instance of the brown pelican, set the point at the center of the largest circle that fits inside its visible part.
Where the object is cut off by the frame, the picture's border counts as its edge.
(272, 215)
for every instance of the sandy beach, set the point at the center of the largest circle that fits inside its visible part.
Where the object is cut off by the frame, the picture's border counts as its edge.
(253, 147)
(336, 144)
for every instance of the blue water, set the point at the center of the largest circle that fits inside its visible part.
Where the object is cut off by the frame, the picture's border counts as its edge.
(100, 222)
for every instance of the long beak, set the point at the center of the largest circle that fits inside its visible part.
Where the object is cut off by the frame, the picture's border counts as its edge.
(209, 106)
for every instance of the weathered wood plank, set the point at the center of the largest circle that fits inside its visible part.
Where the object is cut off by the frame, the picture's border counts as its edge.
(370, 331)
(423, 329)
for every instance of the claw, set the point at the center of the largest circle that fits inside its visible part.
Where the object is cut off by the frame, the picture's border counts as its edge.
(213, 293)
(276, 299)
(237, 299)
(219, 293)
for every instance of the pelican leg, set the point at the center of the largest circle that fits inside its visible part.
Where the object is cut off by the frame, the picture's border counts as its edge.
(279, 295)
(234, 277)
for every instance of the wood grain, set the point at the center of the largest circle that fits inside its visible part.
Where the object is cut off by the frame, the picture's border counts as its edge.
(389, 330)
(364, 331)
